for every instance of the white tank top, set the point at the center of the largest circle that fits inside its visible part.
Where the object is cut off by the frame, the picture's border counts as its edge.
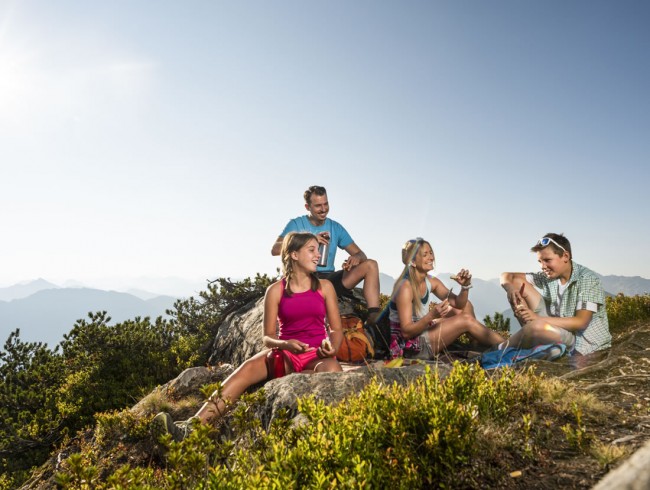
(425, 301)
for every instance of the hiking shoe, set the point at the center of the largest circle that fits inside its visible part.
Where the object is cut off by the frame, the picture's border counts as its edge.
(164, 424)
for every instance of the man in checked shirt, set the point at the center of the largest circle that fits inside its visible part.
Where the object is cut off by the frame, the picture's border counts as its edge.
(571, 306)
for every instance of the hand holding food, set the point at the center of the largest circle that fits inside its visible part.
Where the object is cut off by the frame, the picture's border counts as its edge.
(439, 310)
(464, 278)
(516, 298)
(325, 349)
(326, 344)
(525, 314)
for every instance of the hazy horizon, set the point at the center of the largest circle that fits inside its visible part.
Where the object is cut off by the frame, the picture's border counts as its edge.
(168, 285)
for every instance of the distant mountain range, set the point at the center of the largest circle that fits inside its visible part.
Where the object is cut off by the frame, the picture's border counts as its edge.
(629, 286)
(47, 314)
(25, 289)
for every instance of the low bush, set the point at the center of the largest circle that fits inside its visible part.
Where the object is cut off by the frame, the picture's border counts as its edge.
(430, 433)
(48, 395)
(623, 311)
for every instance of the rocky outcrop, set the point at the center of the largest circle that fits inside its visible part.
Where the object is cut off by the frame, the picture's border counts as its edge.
(240, 337)
(283, 393)
(331, 388)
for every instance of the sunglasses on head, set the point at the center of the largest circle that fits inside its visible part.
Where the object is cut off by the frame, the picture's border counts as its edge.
(415, 240)
(545, 241)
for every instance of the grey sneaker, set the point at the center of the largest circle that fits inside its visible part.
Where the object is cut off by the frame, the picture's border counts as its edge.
(164, 424)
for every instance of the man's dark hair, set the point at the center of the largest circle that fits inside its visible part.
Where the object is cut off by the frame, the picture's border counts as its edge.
(314, 189)
(559, 239)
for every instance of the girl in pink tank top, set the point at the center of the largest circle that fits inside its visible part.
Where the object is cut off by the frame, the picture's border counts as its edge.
(295, 309)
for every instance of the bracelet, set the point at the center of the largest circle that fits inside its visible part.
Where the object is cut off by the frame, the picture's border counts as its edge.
(466, 287)
(432, 323)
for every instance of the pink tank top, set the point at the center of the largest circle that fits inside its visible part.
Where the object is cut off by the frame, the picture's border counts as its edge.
(302, 317)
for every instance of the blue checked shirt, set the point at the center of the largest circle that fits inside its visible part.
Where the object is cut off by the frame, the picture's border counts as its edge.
(584, 291)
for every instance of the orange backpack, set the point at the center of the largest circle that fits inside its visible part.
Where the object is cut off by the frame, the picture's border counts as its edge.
(356, 345)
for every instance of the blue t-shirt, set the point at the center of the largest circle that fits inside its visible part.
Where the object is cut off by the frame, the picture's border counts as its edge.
(339, 237)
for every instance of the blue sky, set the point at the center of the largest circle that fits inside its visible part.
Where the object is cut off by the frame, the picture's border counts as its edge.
(175, 139)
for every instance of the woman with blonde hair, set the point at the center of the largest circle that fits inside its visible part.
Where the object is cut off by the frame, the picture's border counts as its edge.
(420, 325)
(295, 309)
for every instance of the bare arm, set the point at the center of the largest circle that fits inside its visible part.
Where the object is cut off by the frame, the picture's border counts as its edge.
(570, 323)
(404, 302)
(277, 246)
(512, 283)
(271, 303)
(574, 323)
(440, 290)
(333, 317)
(356, 256)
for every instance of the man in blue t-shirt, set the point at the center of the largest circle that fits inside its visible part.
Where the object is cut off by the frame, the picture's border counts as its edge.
(356, 268)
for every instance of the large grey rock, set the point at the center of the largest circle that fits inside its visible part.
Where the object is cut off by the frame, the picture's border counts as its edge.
(331, 388)
(240, 335)
(283, 393)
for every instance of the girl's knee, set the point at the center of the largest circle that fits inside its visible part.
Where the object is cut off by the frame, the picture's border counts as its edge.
(463, 318)
(252, 367)
(466, 317)
(328, 366)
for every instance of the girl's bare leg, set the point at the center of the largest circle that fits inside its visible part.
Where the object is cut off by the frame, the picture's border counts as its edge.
(327, 365)
(449, 329)
(249, 373)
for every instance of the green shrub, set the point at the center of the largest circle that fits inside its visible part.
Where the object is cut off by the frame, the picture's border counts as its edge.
(419, 436)
(499, 324)
(120, 425)
(46, 395)
(30, 374)
(623, 311)
(200, 318)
